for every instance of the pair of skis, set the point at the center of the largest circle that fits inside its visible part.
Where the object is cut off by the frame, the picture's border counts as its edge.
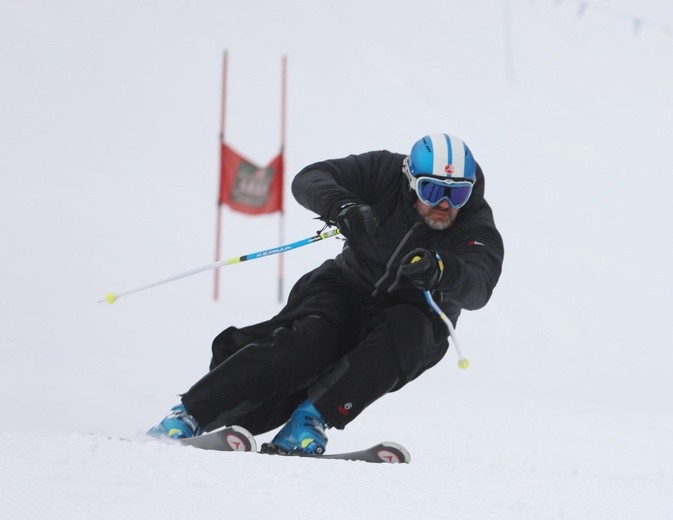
(236, 438)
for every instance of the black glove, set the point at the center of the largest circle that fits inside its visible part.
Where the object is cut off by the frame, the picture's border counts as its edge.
(356, 219)
(422, 268)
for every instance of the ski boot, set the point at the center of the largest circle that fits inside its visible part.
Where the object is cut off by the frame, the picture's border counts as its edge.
(178, 424)
(303, 434)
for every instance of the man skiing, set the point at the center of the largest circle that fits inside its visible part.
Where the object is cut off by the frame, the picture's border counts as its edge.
(358, 326)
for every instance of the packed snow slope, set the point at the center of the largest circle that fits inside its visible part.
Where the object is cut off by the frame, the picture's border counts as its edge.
(109, 119)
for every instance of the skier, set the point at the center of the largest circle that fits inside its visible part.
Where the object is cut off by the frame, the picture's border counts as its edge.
(358, 326)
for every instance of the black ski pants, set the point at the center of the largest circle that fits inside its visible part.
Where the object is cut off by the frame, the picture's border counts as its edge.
(329, 344)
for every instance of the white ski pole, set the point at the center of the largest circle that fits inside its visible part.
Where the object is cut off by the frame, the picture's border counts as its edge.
(463, 362)
(112, 297)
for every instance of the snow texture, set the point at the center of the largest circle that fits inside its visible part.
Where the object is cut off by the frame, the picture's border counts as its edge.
(109, 126)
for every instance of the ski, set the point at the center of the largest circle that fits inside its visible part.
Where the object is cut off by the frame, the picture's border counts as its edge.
(237, 438)
(381, 453)
(227, 438)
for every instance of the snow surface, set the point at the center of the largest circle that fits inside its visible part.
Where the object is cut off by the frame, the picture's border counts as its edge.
(109, 114)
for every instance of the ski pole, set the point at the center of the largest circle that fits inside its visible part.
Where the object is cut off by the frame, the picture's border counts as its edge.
(112, 297)
(462, 361)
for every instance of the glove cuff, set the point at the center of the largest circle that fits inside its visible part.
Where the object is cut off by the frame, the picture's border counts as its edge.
(338, 206)
(450, 267)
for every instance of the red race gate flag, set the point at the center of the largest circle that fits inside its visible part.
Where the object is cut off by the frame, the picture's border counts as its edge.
(248, 188)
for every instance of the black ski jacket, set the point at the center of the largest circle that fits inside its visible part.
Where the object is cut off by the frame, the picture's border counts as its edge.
(471, 249)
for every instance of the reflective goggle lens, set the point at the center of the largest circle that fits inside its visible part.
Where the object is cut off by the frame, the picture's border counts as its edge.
(432, 191)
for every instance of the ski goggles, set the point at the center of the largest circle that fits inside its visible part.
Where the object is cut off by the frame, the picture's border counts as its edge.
(432, 191)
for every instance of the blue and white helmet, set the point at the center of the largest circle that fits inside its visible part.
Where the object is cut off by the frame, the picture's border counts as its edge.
(442, 156)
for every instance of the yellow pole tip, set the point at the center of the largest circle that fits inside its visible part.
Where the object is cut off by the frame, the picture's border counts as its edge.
(110, 298)
(463, 363)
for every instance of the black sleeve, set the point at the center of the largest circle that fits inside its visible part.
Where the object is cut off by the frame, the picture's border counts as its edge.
(473, 264)
(325, 186)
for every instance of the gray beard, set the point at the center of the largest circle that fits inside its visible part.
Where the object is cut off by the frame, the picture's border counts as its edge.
(437, 225)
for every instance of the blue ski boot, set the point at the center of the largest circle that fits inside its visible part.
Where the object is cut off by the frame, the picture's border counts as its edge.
(178, 424)
(303, 433)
